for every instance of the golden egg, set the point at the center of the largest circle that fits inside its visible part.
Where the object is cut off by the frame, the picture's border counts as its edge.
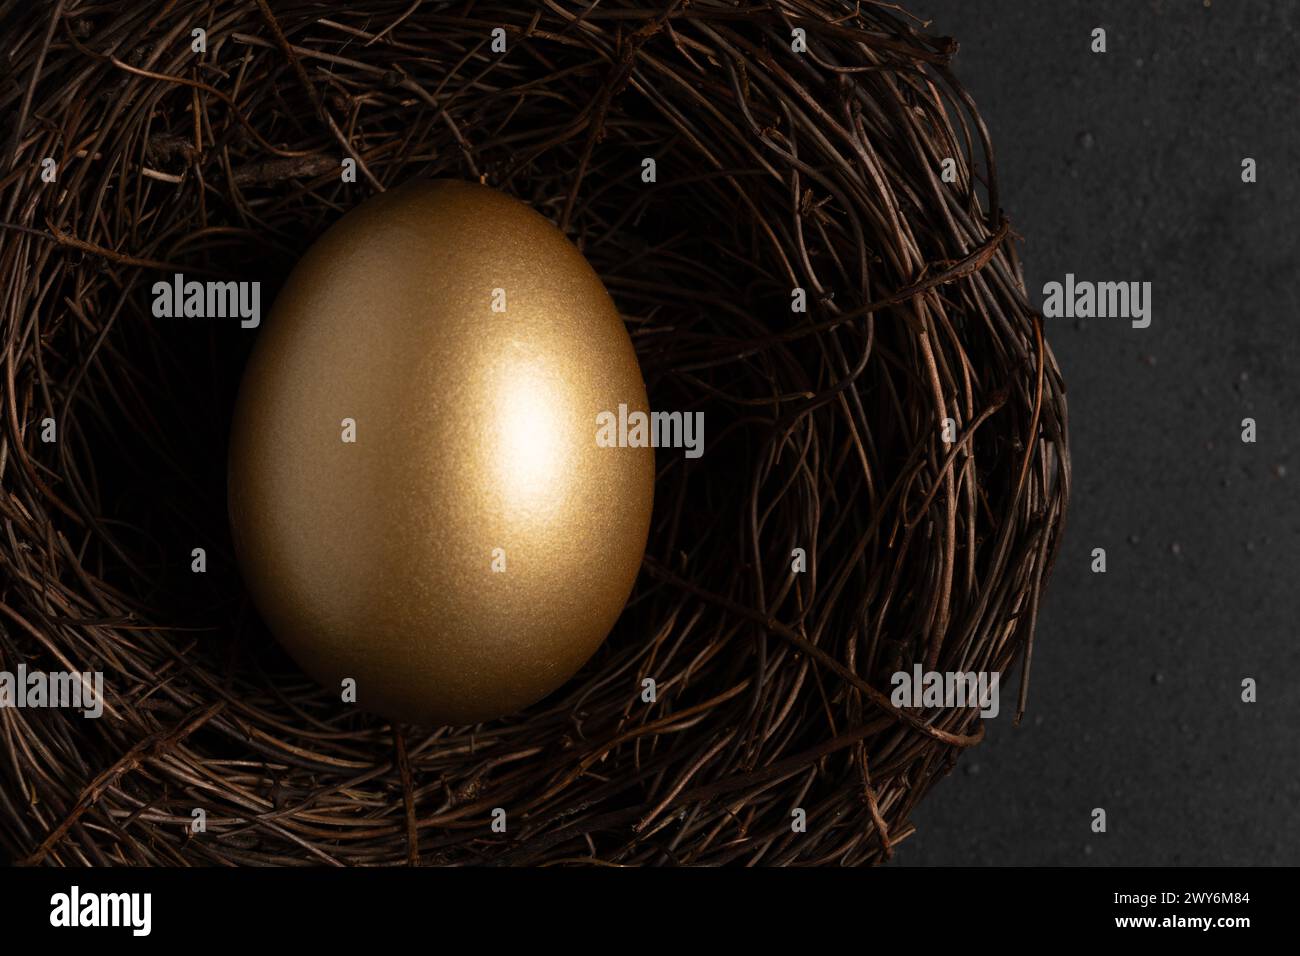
(418, 499)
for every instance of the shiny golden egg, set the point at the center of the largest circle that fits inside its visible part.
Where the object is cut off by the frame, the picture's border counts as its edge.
(418, 499)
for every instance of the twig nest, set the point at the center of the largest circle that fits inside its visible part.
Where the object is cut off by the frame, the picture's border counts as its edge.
(795, 209)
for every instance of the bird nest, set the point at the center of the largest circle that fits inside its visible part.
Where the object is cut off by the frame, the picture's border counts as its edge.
(884, 488)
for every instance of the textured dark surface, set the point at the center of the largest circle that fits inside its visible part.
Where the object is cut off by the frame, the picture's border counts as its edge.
(1127, 166)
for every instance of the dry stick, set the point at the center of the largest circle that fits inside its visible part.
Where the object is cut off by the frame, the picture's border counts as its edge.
(408, 797)
(321, 109)
(149, 748)
(1022, 695)
(878, 819)
(619, 75)
(72, 242)
(415, 5)
(21, 121)
(204, 87)
(278, 170)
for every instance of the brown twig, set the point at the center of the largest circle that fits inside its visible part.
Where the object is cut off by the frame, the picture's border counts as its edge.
(777, 171)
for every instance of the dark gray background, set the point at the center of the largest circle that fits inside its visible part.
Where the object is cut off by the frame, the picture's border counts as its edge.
(1127, 166)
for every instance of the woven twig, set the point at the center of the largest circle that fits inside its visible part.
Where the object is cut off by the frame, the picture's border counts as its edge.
(820, 170)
